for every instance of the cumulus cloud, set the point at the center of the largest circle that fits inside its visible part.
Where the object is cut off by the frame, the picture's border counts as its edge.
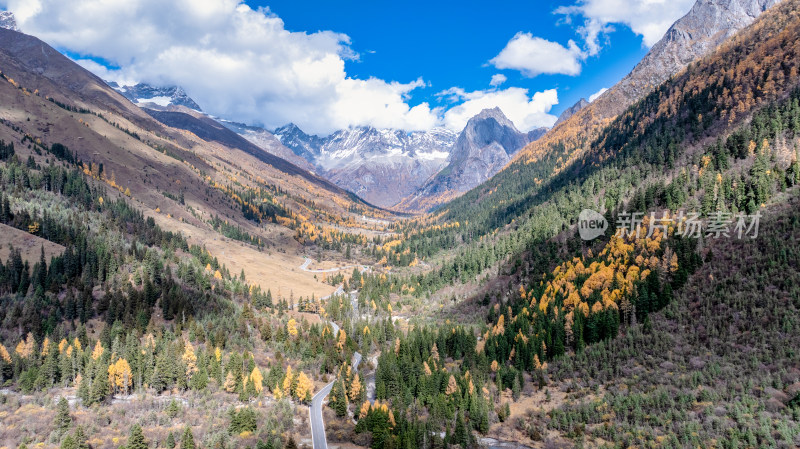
(526, 112)
(235, 61)
(534, 56)
(597, 94)
(647, 18)
(497, 79)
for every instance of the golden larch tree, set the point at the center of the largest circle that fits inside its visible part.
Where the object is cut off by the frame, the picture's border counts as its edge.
(452, 386)
(257, 378)
(304, 387)
(288, 379)
(98, 350)
(355, 388)
(190, 360)
(291, 327)
(120, 377)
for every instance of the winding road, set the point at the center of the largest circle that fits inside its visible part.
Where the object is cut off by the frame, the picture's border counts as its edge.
(318, 438)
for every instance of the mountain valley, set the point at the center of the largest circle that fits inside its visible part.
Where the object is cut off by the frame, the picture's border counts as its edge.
(171, 278)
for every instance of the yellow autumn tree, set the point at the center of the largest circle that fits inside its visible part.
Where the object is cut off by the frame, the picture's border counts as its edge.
(291, 327)
(190, 360)
(46, 346)
(62, 345)
(355, 388)
(25, 348)
(452, 386)
(364, 410)
(98, 350)
(342, 340)
(287, 381)
(120, 377)
(4, 354)
(257, 378)
(304, 387)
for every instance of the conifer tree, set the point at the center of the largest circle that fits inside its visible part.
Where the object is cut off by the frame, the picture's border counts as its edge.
(62, 420)
(187, 440)
(136, 439)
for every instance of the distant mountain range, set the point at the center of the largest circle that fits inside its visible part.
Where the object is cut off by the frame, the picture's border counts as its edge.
(382, 166)
(415, 171)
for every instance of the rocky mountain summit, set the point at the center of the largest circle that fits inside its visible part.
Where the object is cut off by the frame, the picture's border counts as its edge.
(572, 110)
(700, 31)
(483, 148)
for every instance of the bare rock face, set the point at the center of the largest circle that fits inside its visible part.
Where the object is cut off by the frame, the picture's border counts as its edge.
(701, 30)
(482, 149)
(572, 110)
(486, 145)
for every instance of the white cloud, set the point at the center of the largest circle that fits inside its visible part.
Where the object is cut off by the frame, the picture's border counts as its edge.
(526, 112)
(597, 94)
(534, 56)
(497, 79)
(236, 62)
(647, 18)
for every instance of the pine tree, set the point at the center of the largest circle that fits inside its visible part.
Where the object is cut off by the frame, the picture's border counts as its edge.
(136, 438)
(81, 439)
(170, 441)
(99, 390)
(187, 440)
(339, 401)
(461, 435)
(62, 420)
(69, 443)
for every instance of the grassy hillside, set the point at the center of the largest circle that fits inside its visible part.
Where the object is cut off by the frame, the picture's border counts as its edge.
(255, 212)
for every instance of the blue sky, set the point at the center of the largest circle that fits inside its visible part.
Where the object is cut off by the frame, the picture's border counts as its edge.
(327, 65)
(449, 43)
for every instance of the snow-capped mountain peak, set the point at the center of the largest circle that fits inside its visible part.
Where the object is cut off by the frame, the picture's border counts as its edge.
(162, 96)
(381, 165)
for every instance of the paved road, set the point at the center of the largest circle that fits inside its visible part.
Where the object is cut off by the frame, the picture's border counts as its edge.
(318, 439)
